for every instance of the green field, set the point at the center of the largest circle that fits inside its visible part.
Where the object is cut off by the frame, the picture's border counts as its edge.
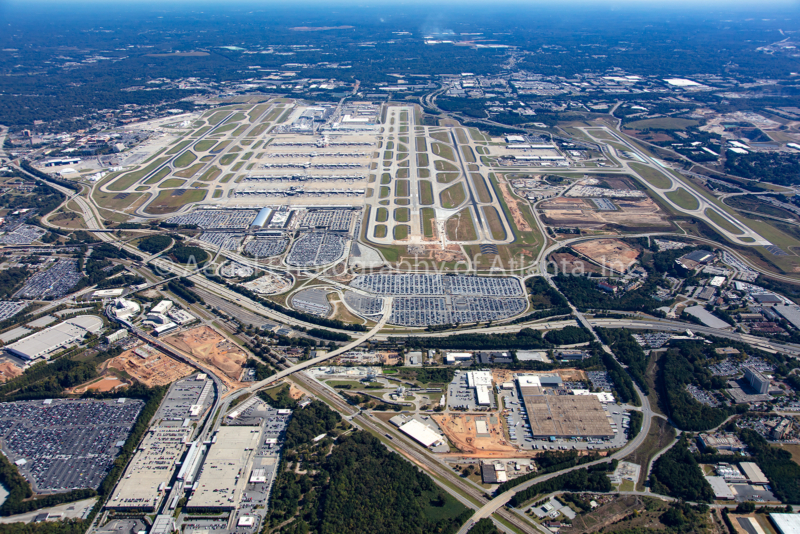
(226, 178)
(126, 180)
(460, 227)
(384, 192)
(721, 222)
(444, 151)
(227, 127)
(684, 199)
(402, 215)
(227, 159)
(651, 176)
(220, 146)
(663, 123)
(446, 177)
(217, 193)
(423, 173)
(401, 231)
(477, 135)
(216, 118)
(382, 215)
(469, 155)
(380, 231)
(185, 159)
(401, 188)
(494, 222)
(441, 136)
(425, 193)
(167, 201)
(171, 183)
(461, 135)
(428, 216)
(191, 171)
(177, 148)
(444, 166)
(386, 178)
(203, 146)
(421, 144)
(453, 196)
(480, 188)
(402, 173)
(157, 177)
(422, 160)
(211, 174)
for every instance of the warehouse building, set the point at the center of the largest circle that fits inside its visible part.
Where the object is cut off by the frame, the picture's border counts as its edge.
(786, 523)
(421, 433)
(720, 487)
(753, 473)
(225, 471)
(44, 343)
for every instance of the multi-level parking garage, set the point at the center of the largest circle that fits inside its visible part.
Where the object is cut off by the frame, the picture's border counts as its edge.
(432, 299)
(314, 249)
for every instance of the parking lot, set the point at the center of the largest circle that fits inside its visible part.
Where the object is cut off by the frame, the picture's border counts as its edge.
(23, 234)
(424, 311)
(436, 284)
(61, 445)
(731, 367)
(263, 248)
(462, 397)
(184, 394)
(10, 309)
(219, 219)
(363, 304)
(55, 282)
(334, 220)
(226, 240)
(314, 249)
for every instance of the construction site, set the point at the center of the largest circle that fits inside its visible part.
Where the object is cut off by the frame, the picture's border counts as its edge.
(597, 213)
(609, 253)
(148, 366)
(211, 348)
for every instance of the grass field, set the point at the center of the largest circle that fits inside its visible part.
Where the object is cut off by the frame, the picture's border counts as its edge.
(402, 215)
(388, 155)
(157, 177)
(171, 183)
(384, 192)
(168, 201)
(227, 127)
(684, 199)
(651, 176)
(227, 159)
(477, 135)
(217, 193)
(402, 173)
(177, 148)
(494, 222)
(191, 171)
(425, 193)
(480, 188)
(444, 166)
(386, 178)
(441, 136)
(401, 231)
(217, 117)
(453, 196)
(423, 173)
(238, 166)
(226, 178)
(421, 144)
(664, 123)
(185, 159)
(382, 215)
(446, 177)
(380, 230)
(203, 146)
(460, 227)
(219, 147)
(721, 222)
(428, 215)
(461, 135)
(422, 160)
(402, 188)
(469, 155)
(444, 151)
(211, 174)
(126, 180)
(112, 200)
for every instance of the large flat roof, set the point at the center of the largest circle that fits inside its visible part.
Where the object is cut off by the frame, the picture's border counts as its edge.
(48, 340)
(567, 416)
(153, 464)
(754, 473)
(421, 433)
(786, 523)
(225, 470)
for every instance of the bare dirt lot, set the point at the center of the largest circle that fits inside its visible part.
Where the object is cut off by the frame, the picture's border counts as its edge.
(8, 371)
(567, 263)
(107, 383)
(611, 253)
(156, 370)
(460, 430)
(211, 348)
(638, 213)
(567, 375)
(513, 208)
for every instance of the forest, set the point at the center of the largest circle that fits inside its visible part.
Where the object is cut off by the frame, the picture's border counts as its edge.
(676, 473)
(629, 353)
(584, 293)
(154, 243)
(777, 464)
(594, 478)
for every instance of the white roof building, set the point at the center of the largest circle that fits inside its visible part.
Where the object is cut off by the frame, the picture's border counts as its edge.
(420, 433)
(45, 342)
(720, 488)
(786, 523)
(753, 473)
(124, 308)
(162, 307)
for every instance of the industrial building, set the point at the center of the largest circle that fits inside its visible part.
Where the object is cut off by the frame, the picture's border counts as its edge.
(561, 416)
(225, 471)
(421, 433)
(753, 473)
(117, 336)
(43, 343)
(757, 381)
(720, 487)
(786, 523)
(481, 382)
